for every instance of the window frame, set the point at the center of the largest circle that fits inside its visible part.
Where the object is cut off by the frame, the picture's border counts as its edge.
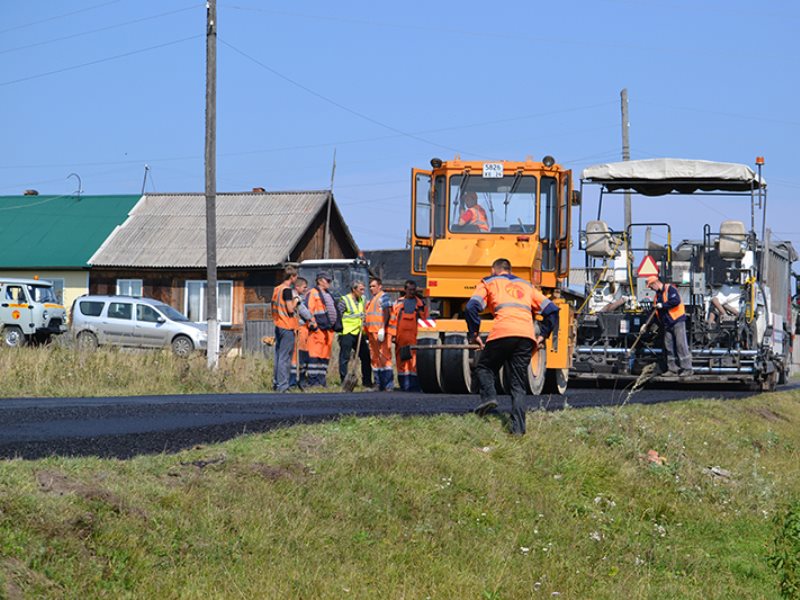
(129, 304)
(129, 282)
(203, 287)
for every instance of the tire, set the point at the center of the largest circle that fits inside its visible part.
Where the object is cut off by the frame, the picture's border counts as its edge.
(555, 381)
(537, 371)
(13, 337)
(429, 366)
(456, 371)
(87, 341)
(182, 346)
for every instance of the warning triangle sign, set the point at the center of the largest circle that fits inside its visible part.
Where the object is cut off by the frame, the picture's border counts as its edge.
(647, 267)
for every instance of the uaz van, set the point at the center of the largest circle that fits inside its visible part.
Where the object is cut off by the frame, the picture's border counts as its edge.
(135, 322)
(29, 312)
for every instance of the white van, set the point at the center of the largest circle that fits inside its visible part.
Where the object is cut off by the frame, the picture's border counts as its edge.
(135, 322)
(29, 312)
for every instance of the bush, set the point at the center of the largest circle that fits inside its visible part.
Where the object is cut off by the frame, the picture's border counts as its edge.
(785, 558)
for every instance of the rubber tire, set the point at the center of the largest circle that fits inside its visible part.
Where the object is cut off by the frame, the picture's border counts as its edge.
(87, 341)
(556, 381)
(456, 371)
(182, 346)
(428, 367)
(770, 382)
(537, 371)
(13, 337)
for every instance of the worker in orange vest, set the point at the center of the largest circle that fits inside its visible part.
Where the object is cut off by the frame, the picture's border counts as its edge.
(513, 302)
(407, 310)
(284, 304)
(320, 335)
(379, 334)
(474, 214)
(304, 319)
(671, 313)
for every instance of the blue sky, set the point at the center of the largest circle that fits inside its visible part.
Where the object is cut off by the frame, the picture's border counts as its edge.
(390, 85)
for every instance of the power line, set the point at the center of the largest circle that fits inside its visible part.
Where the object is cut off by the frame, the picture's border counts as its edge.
(100, 29)
(61, 16)
(339, 105)
(722, 114)
(98, 61)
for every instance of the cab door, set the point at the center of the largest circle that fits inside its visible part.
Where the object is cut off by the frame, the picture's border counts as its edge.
(421, 220)
(15, 308)
(564, 225)
(150, 330)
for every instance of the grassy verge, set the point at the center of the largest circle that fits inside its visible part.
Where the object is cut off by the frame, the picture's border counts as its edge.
(443, 507)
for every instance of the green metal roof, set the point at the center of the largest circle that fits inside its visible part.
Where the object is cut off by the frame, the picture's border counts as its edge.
(57, 231)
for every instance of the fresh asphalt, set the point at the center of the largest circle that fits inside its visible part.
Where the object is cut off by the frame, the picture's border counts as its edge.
(123, 427)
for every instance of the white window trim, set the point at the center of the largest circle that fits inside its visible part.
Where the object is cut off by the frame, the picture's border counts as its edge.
(229, 321)
(141, 286)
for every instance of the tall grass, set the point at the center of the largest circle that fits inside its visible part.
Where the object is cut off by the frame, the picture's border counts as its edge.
(62, 371)
(441, 507)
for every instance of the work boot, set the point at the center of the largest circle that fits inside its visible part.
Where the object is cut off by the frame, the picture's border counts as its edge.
(485, 407)
(685, 373)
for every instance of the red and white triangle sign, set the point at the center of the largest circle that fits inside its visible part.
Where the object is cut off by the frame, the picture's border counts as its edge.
(648, 267)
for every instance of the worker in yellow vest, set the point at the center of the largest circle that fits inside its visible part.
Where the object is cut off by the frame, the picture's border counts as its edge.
(352, 307)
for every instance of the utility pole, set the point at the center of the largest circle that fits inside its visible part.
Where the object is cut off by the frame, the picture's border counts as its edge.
(626, 151)
(327, 249)
(211, 183)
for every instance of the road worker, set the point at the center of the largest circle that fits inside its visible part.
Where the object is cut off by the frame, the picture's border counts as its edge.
(379, 333)
(320, 334)
(407, 310)
(672, 316)
(513, 302)
(474, 213)
(352, 307)
(285, 319)
(304, 319)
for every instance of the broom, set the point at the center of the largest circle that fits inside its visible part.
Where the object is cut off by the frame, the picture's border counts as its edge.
(353, 364)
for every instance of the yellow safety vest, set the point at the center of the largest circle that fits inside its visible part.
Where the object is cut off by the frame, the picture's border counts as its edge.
(353, 316)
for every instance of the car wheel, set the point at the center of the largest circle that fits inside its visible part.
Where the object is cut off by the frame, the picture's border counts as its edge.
(13, 337)
(182, 346)
(87, 341)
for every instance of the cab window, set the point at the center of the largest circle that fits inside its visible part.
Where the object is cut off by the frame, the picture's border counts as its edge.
(493, 205)
(16, 294)
(548, 222)
(422, 218)
(120, 310)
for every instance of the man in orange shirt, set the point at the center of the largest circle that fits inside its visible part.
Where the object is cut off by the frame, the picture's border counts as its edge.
(407, 310)
(379, 335)
(474, 214)
(284, 304)
(513, 302)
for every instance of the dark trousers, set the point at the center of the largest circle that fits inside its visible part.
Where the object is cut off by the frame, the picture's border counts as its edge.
(513, 353)
(677, 347)
(347, 342)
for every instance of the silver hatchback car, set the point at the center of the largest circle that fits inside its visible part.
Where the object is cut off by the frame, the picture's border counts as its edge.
(134, 322)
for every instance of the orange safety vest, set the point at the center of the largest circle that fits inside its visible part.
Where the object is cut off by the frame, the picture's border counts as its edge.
(676, 312)
(513, 301)
(374, 314)
(282, 316)
(406, 321)
(475, 216)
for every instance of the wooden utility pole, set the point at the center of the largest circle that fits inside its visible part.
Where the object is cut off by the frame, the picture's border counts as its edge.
(211, 184)
(626, 151)
(327, 249)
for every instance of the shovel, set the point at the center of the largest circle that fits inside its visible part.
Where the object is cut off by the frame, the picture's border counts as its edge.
(353, 366)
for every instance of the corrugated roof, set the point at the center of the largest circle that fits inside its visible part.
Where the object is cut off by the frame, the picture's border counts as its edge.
(57, 231)
(253, 229)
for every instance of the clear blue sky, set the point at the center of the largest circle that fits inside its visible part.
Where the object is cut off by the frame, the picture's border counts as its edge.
(390, 85)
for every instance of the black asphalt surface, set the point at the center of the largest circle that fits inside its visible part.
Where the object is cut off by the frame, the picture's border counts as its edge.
(123, 427)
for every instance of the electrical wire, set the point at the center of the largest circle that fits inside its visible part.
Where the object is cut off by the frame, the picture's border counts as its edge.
(100, 60)
(29, 204)
(61, 16)
(100, 29)
(339, 105)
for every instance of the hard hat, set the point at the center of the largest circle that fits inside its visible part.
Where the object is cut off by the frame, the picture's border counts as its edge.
(651, 280)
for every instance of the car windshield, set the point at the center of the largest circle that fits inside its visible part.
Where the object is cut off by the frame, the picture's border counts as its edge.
(493, 205)
(42, 293)
(171, 313)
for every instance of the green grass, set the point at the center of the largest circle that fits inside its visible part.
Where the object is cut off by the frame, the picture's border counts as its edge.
(441, 507)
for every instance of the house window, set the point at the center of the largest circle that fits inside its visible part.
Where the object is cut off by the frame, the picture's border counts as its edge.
(194, 303)
(58, 288)
(129, 287)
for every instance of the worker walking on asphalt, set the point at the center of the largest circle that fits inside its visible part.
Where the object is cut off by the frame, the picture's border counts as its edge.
(320, 332)
(379, 313)
(672, 314)
(407, 310)
(353, 310)
(285, 319)
(513, 302)
(297, 377)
